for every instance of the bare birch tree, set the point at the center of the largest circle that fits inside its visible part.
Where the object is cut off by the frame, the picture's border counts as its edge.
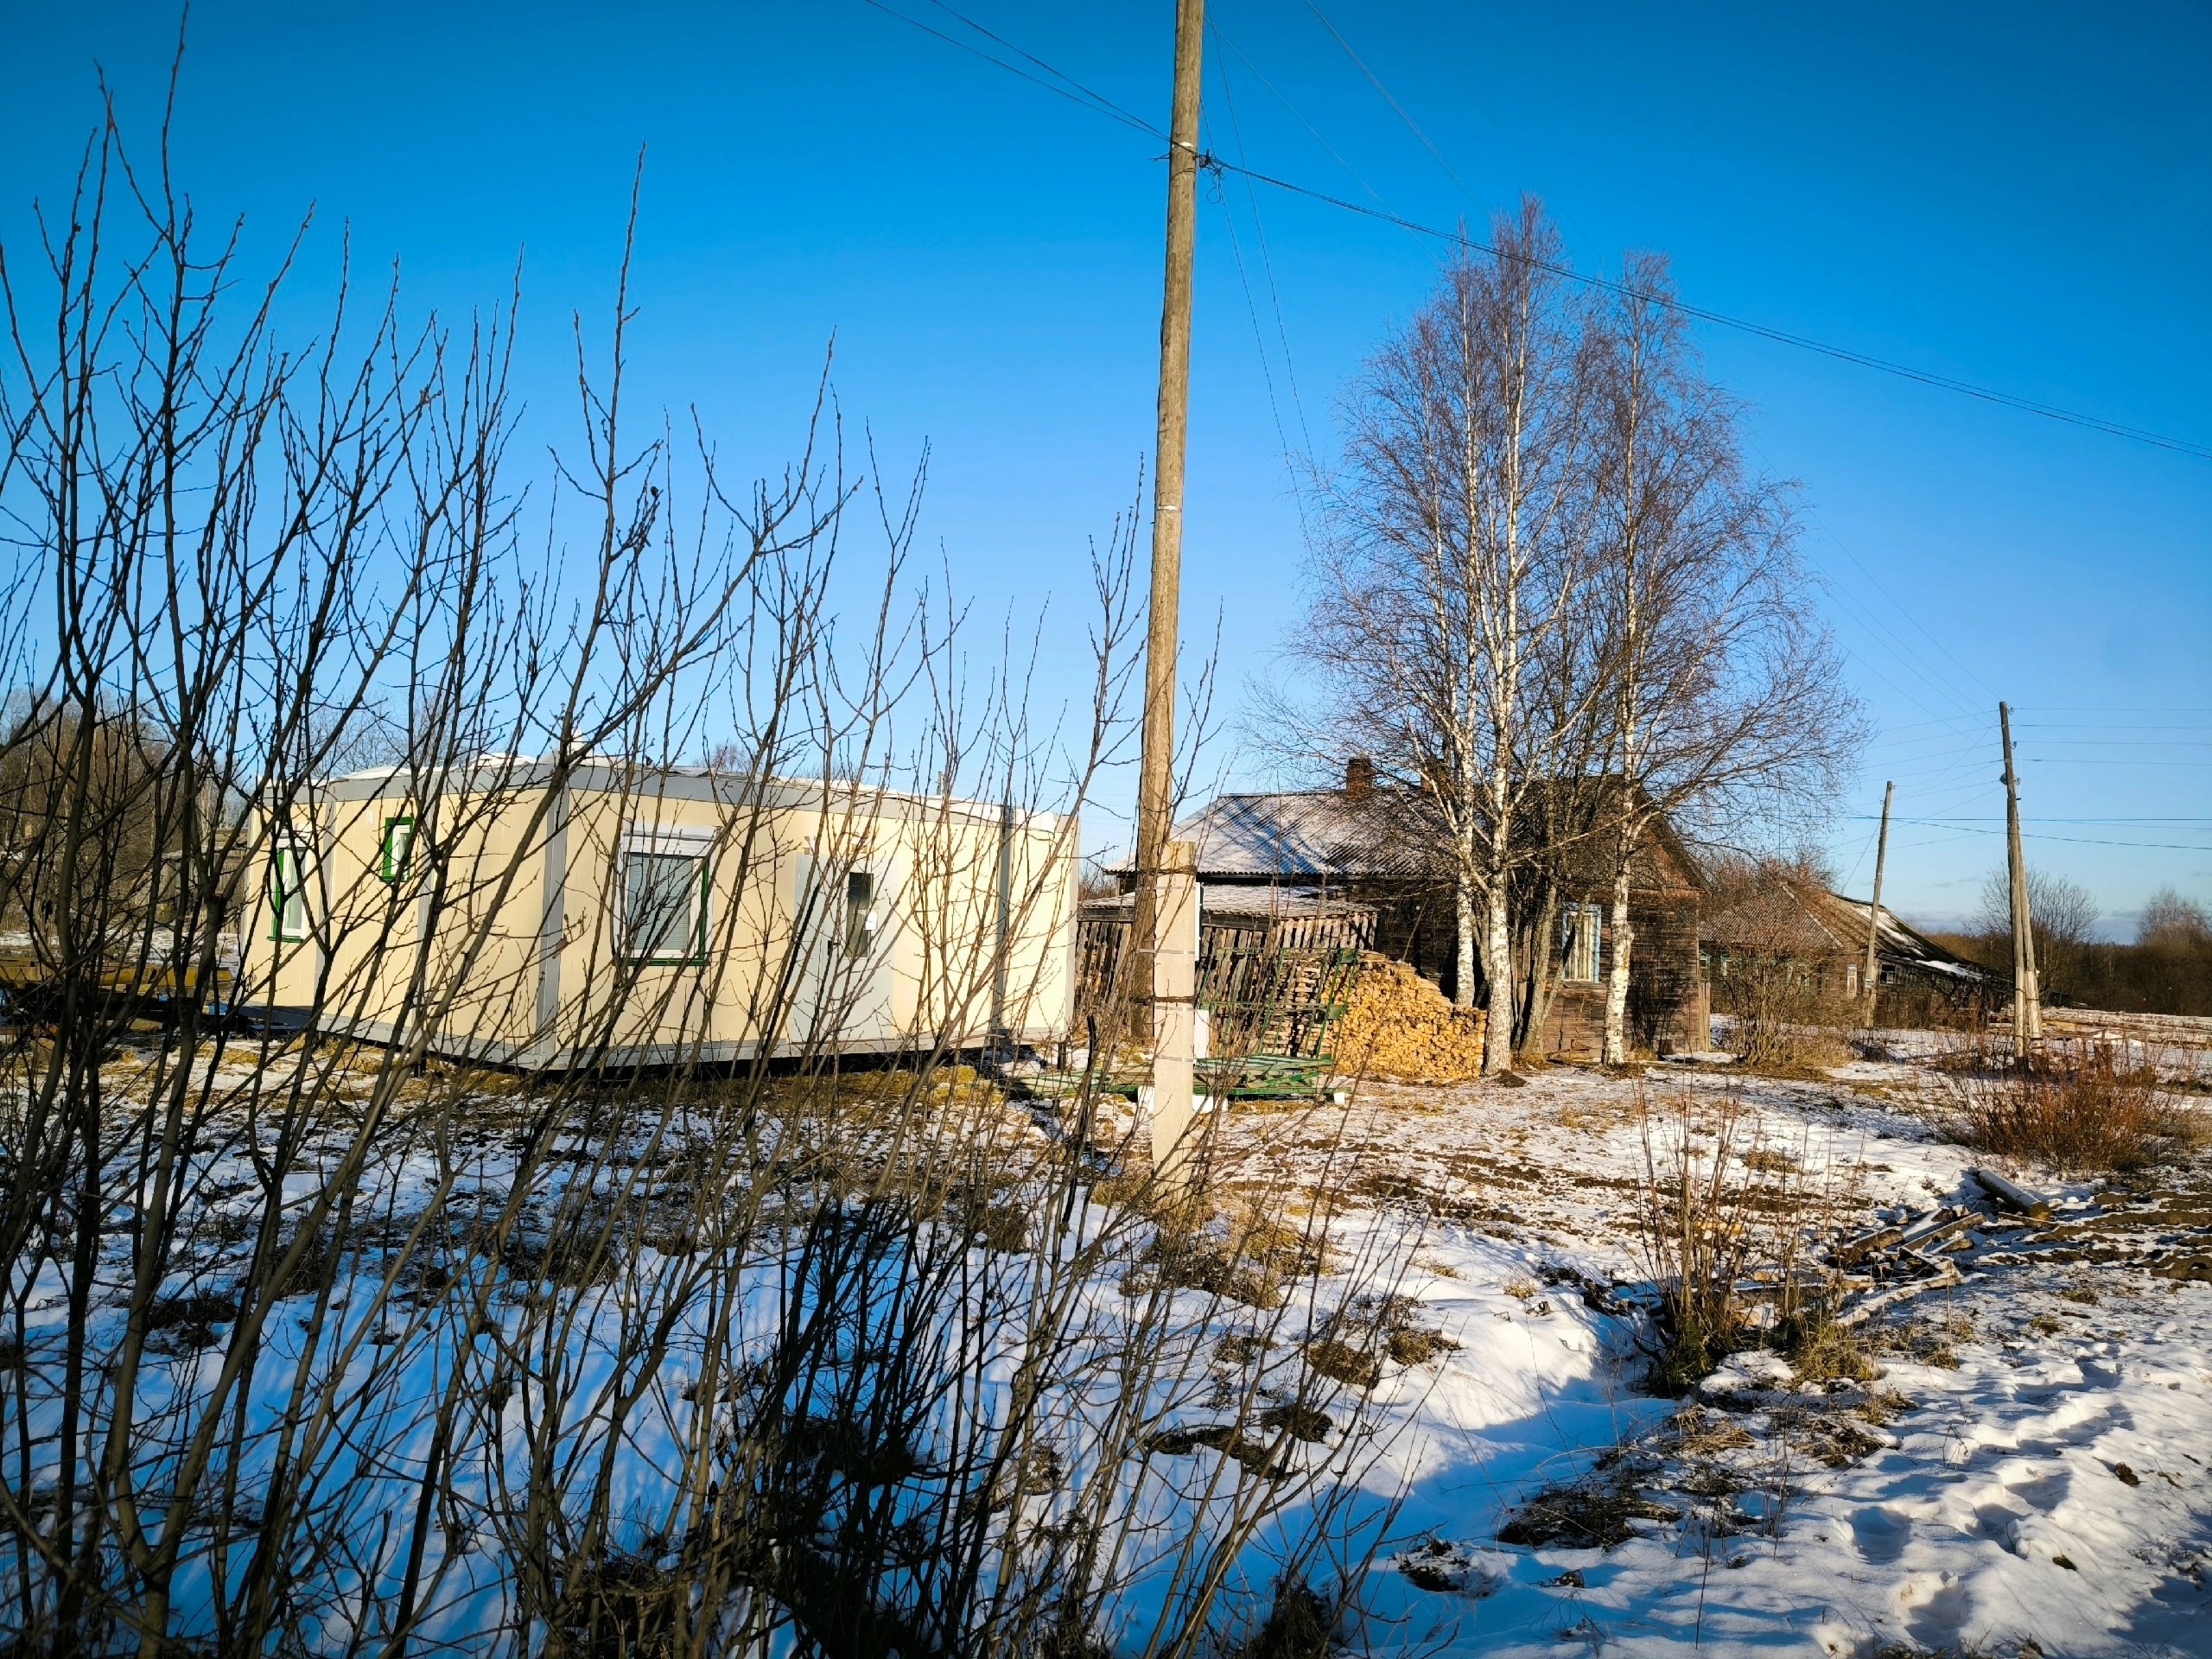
(1722, 694)
(1460, 555)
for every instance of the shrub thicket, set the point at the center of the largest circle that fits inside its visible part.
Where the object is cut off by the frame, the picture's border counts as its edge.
(2074, 1106)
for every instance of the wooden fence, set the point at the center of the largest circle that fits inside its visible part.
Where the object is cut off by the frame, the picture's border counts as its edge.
(1270, 982)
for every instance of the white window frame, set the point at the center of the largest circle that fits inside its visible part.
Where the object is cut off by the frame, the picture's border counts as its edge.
(1576, 918)
(667, 840)
(289, 901)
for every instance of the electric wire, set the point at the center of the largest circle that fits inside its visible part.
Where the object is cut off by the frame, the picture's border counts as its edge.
(1098, 103)
(1076, 92)
(1259, 334)
(2038, 835)
(1744, 324)
(1398, 109)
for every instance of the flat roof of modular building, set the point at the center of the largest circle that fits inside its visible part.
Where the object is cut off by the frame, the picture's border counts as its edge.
(611, 776)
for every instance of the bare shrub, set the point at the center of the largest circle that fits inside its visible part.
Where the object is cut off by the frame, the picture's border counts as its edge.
(2074, 1106)
(1789, 995)
(1782, 1019)
(1721, 1212)
(334, 1341)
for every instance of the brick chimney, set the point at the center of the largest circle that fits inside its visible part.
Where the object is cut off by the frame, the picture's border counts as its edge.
(1359, 779)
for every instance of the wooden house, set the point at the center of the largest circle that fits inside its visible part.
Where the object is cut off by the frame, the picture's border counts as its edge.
(1362, 843)
(1819, 938)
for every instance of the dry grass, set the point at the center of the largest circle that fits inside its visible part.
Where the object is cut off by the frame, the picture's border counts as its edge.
(1698, 1433)
(1928, 1341)
(1821, 1351)
(1352, 1347)
(1239, 1254)
(2076, 1107)
(1594, 1514)
(1301, 1624)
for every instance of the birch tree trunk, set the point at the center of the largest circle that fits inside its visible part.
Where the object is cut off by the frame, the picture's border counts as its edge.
(1463, 982)
(1544, 973)
(1616, 1049)
(1630, 696)
(1497, 1023)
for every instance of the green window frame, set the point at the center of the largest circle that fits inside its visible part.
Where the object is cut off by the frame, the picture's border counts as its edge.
(664, 897)
(398, 848)
(287, 897)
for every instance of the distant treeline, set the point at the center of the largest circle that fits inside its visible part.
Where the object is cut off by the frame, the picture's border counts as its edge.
(2165, 976)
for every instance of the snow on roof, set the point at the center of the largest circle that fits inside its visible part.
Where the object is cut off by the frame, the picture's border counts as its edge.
(1313, 835)
(1799, 917)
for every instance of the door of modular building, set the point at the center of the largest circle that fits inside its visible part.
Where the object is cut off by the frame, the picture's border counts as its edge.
(844, 941)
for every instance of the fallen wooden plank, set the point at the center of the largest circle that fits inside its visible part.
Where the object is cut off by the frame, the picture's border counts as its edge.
(1944, 1223)
(1880, 1239)
(1860, 1313)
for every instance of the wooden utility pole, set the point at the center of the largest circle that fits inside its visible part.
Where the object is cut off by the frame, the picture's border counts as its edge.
(1158, 968)
(1155, 787)
(1874, 914)
(2027, 1000)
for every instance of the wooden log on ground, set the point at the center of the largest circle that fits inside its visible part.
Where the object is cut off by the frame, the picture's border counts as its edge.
(2012, 1197)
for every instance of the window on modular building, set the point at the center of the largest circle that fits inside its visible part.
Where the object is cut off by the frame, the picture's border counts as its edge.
(1580, 944)
(398, 848)
(860, 913)
(288, 895)
(663, 907)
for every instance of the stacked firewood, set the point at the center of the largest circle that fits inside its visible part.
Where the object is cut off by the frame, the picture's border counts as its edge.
(1397, 1026)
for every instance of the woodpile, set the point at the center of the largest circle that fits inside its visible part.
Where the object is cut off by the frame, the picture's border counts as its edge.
(1396, 1025)
(1926, 1250)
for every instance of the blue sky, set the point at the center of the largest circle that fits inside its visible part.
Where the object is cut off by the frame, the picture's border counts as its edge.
(2016, 196)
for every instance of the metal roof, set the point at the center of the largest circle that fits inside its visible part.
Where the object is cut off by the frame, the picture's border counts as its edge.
(1798, 918)
(1312, 836)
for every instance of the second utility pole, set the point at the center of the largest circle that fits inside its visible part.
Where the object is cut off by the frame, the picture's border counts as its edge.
(1169, 1016)
(1874, 913)
(2027, 998)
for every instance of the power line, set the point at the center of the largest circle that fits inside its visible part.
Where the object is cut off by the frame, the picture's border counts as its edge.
(1780, 336)
(1065, 86)
(2075, 840)
(1398, 109)
(1297, 115)
(1869, 817)
(1274, 301)
(1098, 103)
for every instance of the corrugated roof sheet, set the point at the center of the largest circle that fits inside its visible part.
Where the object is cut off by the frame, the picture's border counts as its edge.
(1305, 837)
(1797, 917)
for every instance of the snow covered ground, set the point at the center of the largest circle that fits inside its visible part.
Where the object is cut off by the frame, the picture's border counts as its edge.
(2030, 1473)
